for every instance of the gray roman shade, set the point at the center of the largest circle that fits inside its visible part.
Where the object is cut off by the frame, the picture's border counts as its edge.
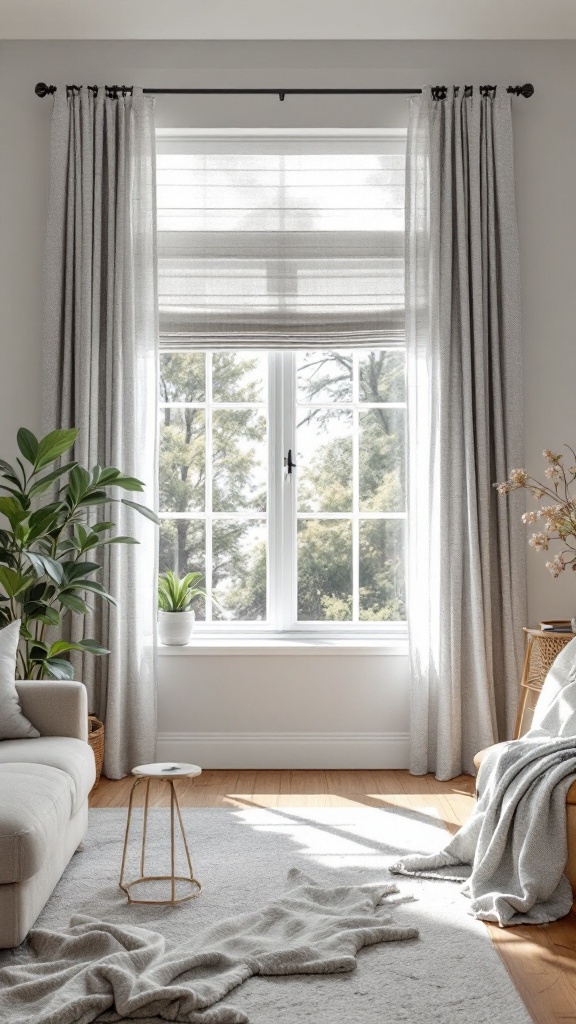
(277, 242)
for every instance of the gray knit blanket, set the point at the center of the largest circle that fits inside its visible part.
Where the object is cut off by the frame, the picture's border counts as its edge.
(95, 969)
(516, 840)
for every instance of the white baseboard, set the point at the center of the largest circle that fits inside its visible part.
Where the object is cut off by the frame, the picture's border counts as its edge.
(285, 749)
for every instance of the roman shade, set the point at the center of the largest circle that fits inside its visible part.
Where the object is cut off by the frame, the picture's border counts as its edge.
(276, 242)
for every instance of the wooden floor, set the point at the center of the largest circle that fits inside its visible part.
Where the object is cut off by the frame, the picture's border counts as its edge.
(540, 959)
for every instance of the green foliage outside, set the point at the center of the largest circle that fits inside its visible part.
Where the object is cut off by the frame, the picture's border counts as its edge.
(324, 481)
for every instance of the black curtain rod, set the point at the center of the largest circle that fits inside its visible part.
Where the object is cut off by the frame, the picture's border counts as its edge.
(439, 92)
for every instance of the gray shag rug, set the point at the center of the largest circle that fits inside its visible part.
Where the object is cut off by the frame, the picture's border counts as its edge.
(451, 973)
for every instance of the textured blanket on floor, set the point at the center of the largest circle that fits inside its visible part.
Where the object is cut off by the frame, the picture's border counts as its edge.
(516, 838)
(97, 970)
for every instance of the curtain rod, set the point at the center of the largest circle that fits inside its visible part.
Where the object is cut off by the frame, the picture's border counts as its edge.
(439, 92)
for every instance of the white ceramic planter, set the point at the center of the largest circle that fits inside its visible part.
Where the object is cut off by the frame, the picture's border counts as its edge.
(175, 628)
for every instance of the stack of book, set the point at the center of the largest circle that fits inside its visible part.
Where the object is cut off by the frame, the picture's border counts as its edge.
(556, 626)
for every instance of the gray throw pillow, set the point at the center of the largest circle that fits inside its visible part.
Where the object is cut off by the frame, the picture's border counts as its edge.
(13, 724)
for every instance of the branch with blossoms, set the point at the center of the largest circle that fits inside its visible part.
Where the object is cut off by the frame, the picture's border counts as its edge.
(560, 516)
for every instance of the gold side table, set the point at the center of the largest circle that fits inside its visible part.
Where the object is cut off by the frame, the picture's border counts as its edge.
(166, 772)
(542, 648)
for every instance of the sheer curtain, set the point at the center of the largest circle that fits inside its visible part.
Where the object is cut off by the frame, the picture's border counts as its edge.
(100, 375)
(466, 550)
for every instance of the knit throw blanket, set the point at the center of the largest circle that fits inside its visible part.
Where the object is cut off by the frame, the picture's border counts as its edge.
(516, 840)
(94, 969)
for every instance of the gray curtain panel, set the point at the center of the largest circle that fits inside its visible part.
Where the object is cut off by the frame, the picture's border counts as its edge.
(100, 375)
(466, 546)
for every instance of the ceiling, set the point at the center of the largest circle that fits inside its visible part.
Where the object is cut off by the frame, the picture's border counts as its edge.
(287, 19)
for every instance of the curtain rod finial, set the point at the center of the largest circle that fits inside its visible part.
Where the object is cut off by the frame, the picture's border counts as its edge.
(43, 90)
(522, 90)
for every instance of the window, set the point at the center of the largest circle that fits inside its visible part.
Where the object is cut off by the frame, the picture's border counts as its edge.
(282, 379)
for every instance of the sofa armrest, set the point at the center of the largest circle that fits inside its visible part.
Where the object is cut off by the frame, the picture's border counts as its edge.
(55, 707)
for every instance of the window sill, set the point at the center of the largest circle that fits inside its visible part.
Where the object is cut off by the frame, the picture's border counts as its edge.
(303, 646)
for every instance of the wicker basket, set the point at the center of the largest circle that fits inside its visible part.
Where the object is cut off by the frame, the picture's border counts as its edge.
(542, 649)
(96, 741)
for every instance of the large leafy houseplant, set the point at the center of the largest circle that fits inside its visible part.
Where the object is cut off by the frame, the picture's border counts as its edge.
(46, 549)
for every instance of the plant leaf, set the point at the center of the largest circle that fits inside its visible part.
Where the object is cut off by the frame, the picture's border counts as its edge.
(78, 483)
(44, 482)
(92, 647)
(13, 582)
(142, 509)
(128, 483)
(41, 613)
(61, 647)
(105, 476)
(54, 445)
(103, 527)
(120, 540)
(44, 565)
(81, 534)
(93, 586)
(43, 520)
(8, 471)
(73, 602)
(41, 592)
(77, 570)
(13, 510)
(28, 444)
(95, 498)
(67, 545)
(8, 558)
(38, 651)
(58, 668)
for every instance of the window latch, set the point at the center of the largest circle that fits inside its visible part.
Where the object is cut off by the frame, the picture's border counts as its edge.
(289, 464)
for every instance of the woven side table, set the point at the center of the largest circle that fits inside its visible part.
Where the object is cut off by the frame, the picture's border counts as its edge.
(167, 772)
(542, 648)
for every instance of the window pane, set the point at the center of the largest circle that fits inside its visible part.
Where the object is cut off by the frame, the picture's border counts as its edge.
(324, 460)
(182, 460)
(239, 570)
(239, 450)
(382, 376)
(324, 377)
(324, 570)
(238, 377)
(182, 377)
(183, 549)
(382, 570)
(381, 463)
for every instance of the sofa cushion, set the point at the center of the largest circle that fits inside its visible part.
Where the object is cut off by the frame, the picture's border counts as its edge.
(69, 755)
(13, 724)
(35, 805)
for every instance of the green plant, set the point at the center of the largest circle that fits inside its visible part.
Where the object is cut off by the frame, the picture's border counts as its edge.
(175, 594)
(44, 569)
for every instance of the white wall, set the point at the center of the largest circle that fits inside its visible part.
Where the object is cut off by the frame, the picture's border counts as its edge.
(361, 697)
(288, 707)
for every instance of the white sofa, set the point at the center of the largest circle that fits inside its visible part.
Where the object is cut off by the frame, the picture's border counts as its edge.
(44, 787)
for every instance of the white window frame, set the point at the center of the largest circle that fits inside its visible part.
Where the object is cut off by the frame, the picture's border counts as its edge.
(282, 623)
(282, 515)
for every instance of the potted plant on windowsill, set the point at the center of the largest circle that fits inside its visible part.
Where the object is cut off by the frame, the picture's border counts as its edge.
(48, 545)
(175, 615)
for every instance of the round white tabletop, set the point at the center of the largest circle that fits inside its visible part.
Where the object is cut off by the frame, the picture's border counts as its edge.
(167, 770)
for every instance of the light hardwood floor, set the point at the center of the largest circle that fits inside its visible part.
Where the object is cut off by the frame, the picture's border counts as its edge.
(541, 959)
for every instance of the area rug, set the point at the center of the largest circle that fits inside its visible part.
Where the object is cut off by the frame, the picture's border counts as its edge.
(449, 974)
